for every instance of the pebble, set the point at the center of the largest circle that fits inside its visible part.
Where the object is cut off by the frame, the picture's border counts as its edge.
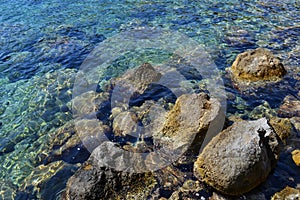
(296, 157)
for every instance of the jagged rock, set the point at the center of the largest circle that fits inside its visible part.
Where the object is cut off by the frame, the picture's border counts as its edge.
(189, 119)
(282, 126)
(296, 123)
(287, 193)
(290, 107)
(96, 180)
(256, 65)
(296, 157)
(239, 158)
(143, 76)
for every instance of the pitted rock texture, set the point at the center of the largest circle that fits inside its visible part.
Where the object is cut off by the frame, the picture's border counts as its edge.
(190, 116)
(290, 107)
(239, 158)
(256, 65)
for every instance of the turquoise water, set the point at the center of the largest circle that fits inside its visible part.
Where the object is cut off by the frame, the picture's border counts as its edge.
(43, 44)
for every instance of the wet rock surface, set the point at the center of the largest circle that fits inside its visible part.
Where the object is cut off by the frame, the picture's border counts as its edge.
(287, 193)
(282, 126)
(133, 83)
(95, 180)
(190, 190)
(290, 107)
(112, 166)
(189, 119)
(296, 157)
(87, 104)
(239, 158)
(32, 108)
(256, 65)
(125, 123)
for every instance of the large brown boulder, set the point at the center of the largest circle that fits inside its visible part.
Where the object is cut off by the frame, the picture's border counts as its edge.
(256, 65)
(189, 119)
(239, 158)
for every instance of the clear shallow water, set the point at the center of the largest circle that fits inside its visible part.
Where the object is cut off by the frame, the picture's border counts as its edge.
(42, 45)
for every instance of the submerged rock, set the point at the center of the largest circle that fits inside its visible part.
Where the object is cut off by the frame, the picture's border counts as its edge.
(125, 123)
(263, 110)
(44, 176)
(287, 193)
(87, 104)
(136, 80)
(290, 107)
(190, 190)
(239, 158)
(71, 141)
(143, 121)
(256, 65)
(143, 76)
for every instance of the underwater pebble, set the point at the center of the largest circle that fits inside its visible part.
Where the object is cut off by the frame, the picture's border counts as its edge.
(64, 108)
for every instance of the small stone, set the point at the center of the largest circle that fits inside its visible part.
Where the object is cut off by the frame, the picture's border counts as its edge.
(137, 80)
(216, 196)
(125, 123)
(64, 108)
(189, 189)
(296, 123)
(287, 193)
(296, 157)
(290, 107)
(282, 127)
(263, 110)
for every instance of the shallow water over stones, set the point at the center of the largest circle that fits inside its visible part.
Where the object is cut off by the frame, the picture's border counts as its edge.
(43, 44)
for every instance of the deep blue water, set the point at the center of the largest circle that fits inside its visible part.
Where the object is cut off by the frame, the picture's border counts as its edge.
(44, 43)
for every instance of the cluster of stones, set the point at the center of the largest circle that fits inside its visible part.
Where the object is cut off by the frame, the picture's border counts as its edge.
(234, 162)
